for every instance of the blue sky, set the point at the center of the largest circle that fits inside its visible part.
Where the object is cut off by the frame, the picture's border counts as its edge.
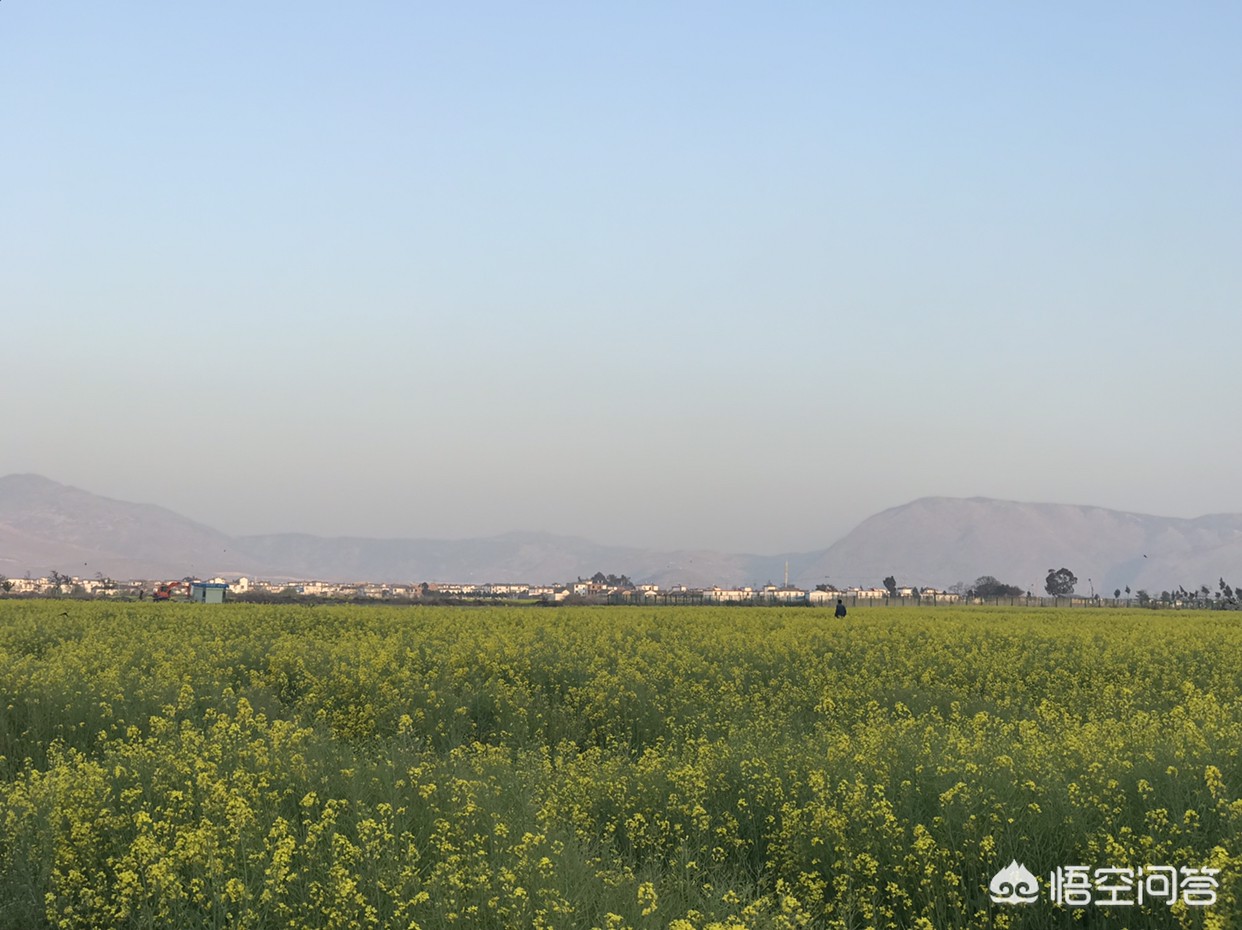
(721, 275)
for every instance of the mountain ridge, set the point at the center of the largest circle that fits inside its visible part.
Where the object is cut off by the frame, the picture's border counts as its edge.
(933, 540)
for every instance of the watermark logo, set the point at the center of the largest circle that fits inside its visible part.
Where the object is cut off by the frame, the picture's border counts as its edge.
(1080, 885)
(1014, 884)
(1108, 886)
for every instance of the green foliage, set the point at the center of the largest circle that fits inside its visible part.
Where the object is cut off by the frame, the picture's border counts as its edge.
(987, 586)
(1060, 582)
(286, 766)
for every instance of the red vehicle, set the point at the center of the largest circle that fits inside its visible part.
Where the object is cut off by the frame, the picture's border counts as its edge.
(166, 591)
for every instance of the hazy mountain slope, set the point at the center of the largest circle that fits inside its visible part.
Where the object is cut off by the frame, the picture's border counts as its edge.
(22, 552)
(943, 540)
(933, 541)
(45, 525)
(513, 557)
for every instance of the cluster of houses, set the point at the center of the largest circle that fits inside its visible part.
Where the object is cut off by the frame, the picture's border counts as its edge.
(215, 589)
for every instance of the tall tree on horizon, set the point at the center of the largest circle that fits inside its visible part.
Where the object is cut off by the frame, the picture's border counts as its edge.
(1060, 582)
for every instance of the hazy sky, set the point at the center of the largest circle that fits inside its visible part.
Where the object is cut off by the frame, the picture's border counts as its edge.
(669, 274)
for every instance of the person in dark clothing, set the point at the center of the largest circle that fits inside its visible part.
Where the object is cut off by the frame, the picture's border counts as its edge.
(840, 608)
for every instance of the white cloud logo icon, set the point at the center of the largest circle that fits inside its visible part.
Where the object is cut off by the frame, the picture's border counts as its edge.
(1014, 884)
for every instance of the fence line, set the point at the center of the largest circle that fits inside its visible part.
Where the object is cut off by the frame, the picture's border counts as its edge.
(701, 598)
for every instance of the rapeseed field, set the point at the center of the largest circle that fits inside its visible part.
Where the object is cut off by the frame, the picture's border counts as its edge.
(185, 766)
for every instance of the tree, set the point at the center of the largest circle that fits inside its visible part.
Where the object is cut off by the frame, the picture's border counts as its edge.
(1143, 597)
(5, 584)
(1117, 594)
(890, 585)
(987, 586)
(1060, 582)
(58, 581)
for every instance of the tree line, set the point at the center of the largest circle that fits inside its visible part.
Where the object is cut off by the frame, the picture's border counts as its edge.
(1060, 582)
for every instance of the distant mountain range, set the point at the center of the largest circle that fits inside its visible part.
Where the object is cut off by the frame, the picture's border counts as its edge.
(942, 540)
(937, 541)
